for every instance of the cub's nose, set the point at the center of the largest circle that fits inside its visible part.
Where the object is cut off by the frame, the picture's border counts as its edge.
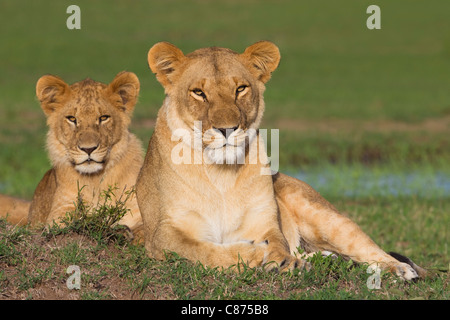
(226, 132)
(88, 150)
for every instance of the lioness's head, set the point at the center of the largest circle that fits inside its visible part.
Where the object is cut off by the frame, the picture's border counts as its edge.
(215, 92)
(87, 119)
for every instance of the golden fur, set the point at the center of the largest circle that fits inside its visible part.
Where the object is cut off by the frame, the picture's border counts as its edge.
(200, 192)
(14, 210)
(89, 146)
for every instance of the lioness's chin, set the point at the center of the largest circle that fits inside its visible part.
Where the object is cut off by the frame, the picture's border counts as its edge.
(89, 167)
(226, 155)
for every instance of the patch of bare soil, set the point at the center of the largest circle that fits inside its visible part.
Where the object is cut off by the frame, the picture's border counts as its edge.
(38, 269)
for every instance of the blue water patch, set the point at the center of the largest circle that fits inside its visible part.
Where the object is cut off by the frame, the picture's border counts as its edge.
(375, 182)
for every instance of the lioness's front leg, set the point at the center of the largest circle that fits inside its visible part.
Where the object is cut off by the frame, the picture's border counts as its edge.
(193, 239)
(168, 238)
(278, 254)
(311, 222)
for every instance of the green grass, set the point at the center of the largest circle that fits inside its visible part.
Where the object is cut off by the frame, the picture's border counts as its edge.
(34, 265)
(98, 221)
(34, 262)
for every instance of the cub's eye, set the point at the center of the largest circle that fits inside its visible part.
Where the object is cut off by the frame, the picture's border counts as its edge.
(104, 118)
(241, 89)
(72, 119)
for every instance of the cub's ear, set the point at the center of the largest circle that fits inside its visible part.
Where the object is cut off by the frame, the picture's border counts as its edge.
(52, 92)
(163, 59)
(124, 90)
(262, 58)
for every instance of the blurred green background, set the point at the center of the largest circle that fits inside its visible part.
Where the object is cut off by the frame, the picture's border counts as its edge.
(343, 95)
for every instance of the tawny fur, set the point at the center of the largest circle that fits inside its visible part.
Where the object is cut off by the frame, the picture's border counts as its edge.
(89, 146)
(14, 210)
(217, 209)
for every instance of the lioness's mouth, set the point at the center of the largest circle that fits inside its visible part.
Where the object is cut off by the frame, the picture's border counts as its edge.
(221, 146)
(89, 161)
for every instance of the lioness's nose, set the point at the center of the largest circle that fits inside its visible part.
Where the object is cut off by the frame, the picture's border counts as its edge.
(88, 150)
(226, 132)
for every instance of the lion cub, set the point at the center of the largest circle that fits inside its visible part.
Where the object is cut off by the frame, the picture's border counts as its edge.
(202, 191)
(89, 145)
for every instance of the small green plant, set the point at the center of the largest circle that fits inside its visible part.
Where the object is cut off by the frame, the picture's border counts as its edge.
(98, 221)
(10, 238)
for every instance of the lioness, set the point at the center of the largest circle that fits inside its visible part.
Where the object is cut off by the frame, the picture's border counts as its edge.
(205, 198)
(89, 146)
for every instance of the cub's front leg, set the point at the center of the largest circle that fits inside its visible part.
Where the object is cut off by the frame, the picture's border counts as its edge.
(43, 198)
(62, 204)
(50, 203)
(310, 221)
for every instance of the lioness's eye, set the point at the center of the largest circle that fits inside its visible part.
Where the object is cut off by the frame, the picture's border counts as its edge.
(103, 118)
(72, 119)
(241, 89)
(199, 92)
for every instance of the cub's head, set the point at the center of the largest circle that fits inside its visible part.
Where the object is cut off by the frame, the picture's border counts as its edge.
(215, 93)
(88, 120)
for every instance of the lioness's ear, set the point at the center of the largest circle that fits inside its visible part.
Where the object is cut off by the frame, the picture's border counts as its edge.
(124, 90)
(163, 59)
(51, 91)
(262, 58)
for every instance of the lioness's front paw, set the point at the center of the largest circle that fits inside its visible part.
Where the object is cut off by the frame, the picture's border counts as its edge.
(287, 263)
(251, 253)
(405, 271)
